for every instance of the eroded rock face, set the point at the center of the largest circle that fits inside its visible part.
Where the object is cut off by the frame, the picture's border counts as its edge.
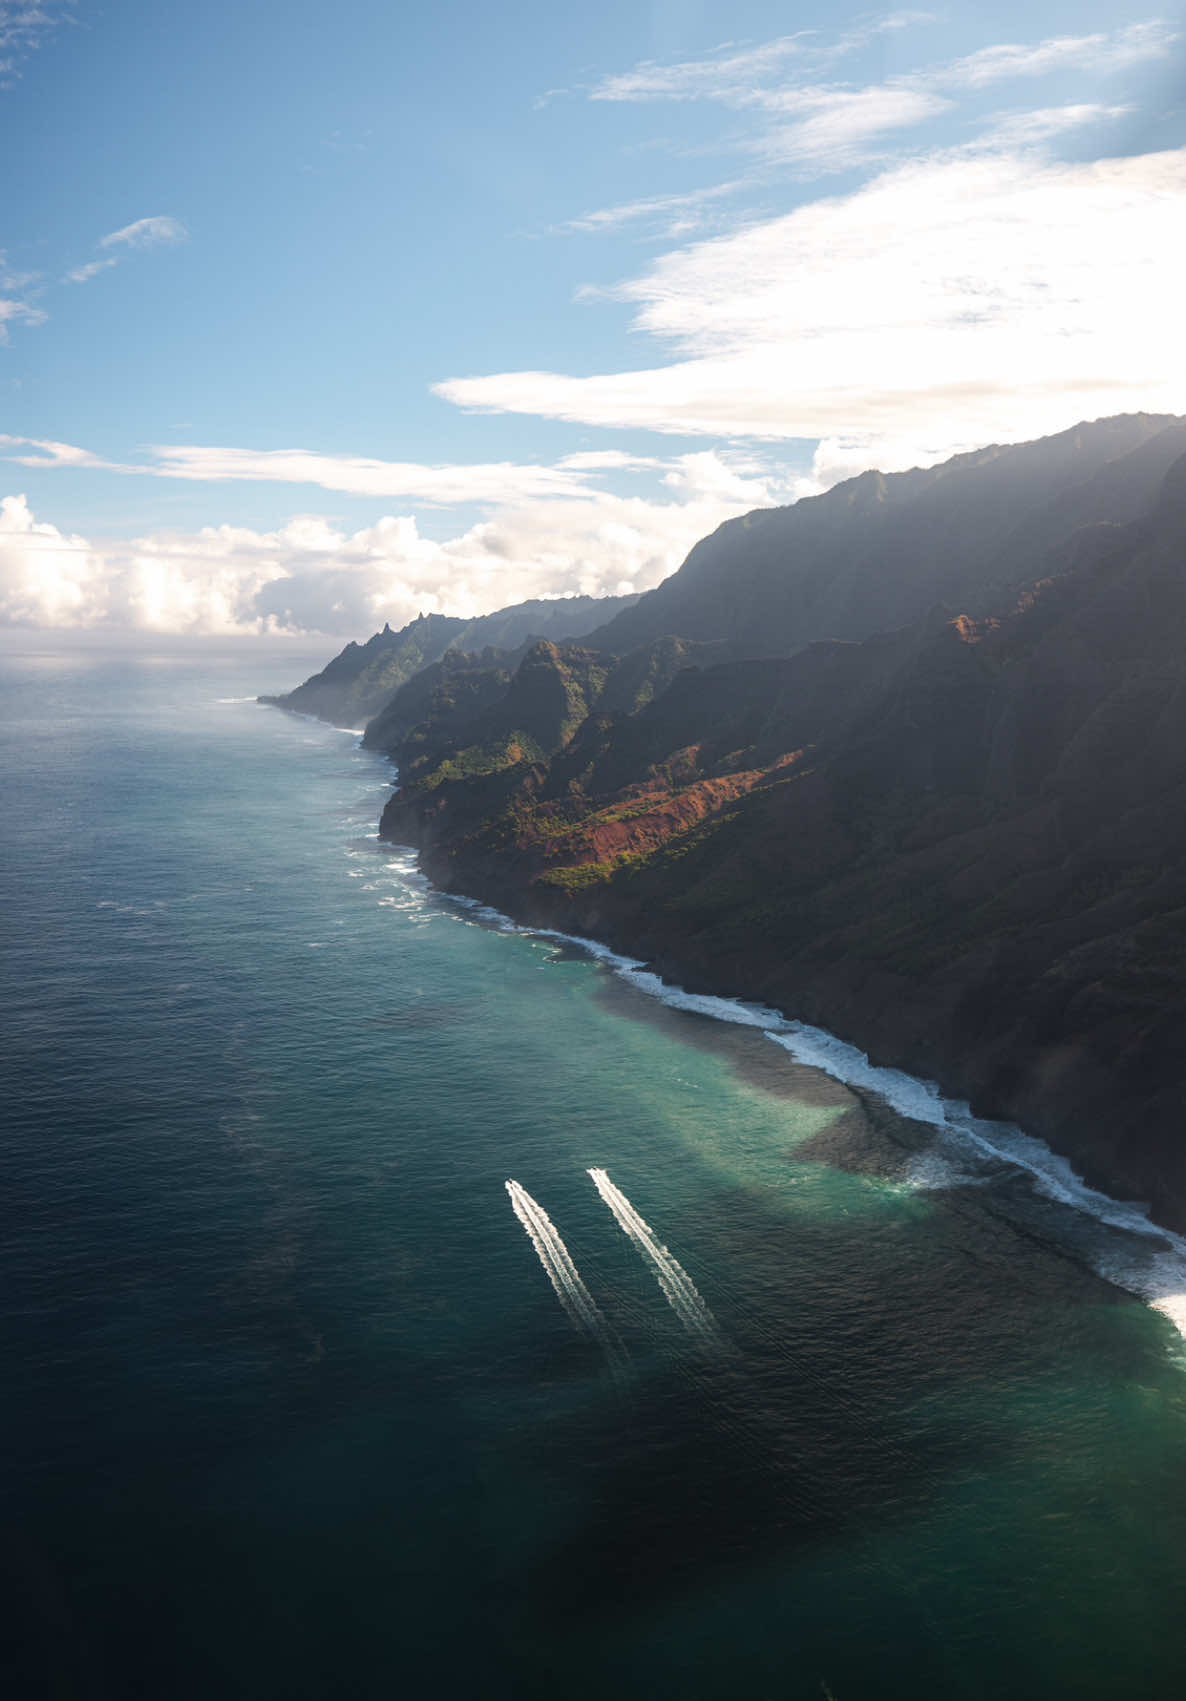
(960, 844)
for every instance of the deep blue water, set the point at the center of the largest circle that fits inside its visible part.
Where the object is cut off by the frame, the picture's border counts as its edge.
(292, 1409)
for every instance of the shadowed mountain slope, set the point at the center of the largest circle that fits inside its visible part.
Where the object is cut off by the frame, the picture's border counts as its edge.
(960, 843)
(882, 549)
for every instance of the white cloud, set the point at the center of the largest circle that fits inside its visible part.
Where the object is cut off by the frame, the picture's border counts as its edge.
(52, 454)
(83, 274)
(24, 25)
(751, 76)
(12, 312)
(12, 307)
(830, 126)
(956, 301)
(447, 485)
(609, 460)
(1134, 45)
(311, 576)
(724, 75)
(678, 213)
(15, 280)
(1010, 130)
(46, 578)
(145, 233)
(733, 72)
(838, 125)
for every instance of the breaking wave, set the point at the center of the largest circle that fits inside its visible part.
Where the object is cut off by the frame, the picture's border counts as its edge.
(1141, 1257)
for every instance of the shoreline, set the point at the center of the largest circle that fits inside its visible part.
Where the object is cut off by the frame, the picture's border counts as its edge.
(1154, 1270)
(1019, 1058)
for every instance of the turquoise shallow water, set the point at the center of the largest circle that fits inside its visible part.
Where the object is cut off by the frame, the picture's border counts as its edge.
(293, 1409)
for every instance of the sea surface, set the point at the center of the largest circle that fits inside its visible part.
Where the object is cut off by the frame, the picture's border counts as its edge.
(806, 1392)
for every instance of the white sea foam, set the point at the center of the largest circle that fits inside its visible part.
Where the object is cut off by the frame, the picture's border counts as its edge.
(929, 1171)
(968, 1145)
(819, 1050)
(678, 1287)
(574, 1296)
(1158, 1277)
(632, 969)
(483, 912)
(923, 1102)
(330, 726)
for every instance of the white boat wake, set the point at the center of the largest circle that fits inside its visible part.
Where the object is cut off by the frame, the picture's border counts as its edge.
(574, 1296)
(678, 1287)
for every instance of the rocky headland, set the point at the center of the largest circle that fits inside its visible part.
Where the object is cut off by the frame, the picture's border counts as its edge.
(356, 684)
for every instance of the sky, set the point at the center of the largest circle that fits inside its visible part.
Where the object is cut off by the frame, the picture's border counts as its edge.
(314, 317)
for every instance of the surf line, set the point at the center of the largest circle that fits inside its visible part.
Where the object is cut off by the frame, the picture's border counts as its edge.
(679, 1289)
(579, 1304)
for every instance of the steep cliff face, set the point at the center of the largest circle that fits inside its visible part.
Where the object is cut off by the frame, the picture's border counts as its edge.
(961, 844)
(881, 550)
(499, 707)
(480, 716)
(431, 711)
(359, 681)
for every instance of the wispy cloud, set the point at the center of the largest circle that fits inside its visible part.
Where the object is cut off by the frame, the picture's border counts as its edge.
(729, 74)
(958, 297)
(810, 125)
(1011, 130)
(839, 128)
(1102, 51)
(490, 484)
(676, 214)
(18, 312)
(764, 74)
(17, 308)
(10, 279)
(84, 274)
(146, 233)
(962, 299)
(155, 232)
(52, 454)
(24, 26)
(732, 72)
(446, 486)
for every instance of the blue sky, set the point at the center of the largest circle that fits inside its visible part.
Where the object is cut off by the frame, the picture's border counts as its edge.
(317, 315)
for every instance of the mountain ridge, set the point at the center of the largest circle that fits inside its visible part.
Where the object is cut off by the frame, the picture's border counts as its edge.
(877, 550)
(354, 686)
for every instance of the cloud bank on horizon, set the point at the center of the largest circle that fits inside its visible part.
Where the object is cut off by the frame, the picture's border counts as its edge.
(873, 270)
(311, 576)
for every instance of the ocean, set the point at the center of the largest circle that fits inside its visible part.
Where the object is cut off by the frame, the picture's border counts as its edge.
(771, 1376)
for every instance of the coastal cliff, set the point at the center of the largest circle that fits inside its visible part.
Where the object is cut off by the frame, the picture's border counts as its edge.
(960, 844)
